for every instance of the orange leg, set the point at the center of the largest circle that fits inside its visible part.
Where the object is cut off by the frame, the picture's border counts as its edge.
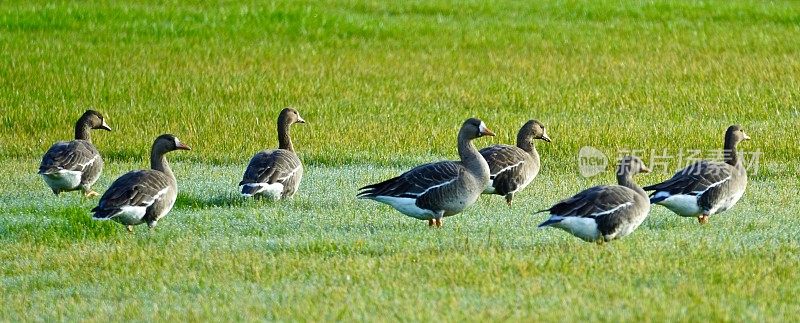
(703, 218)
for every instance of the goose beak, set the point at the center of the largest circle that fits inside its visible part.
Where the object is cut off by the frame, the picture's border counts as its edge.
(105, 126)
(746, 137)
(645, 170)
(182, 146)
(545, 137)
(485, 130)
(300, 119)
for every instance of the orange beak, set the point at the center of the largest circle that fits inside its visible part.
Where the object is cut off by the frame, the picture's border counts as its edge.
(485, 131)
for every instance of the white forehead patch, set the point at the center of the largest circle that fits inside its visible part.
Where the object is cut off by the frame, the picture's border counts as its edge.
(177, 142)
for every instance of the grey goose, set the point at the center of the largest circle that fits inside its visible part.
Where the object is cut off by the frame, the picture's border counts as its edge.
(436, 190)
(607, 212)
(275, 173)
(143, 196)
(705, 187)
(512, 168)
(75, 165)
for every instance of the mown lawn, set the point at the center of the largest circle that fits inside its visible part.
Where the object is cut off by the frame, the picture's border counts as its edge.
(384, 86)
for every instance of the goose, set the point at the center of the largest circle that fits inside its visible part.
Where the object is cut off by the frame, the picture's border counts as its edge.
(512, 168)
(704, 187)
(604, 213)
(436, 190)
(275, 173)
(143, 196)
(75, 165)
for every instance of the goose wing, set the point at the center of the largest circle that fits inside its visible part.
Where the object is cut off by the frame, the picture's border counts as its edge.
(74, 155)
(414, 182)
(594, 202)
(503, 159)
(135, 189)
(272, 166)
(693, 180)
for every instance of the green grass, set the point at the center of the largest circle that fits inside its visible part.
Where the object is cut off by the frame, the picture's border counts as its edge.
(384, 86)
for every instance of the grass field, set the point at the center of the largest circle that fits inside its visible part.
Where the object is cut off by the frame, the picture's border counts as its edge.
(384, 86)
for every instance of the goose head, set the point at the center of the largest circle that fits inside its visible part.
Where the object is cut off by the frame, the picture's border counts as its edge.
(94, 120)
(474, 128)
(290, 116)
(534, 129)
(167, 142)
(735, 134)
(631, 165)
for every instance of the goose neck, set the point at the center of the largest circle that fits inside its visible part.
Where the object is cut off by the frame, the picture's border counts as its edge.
(82, 130)
(729, 150)
(471, 158)
(625, 178)
(525, 142)
(284, 140)
(158, 161)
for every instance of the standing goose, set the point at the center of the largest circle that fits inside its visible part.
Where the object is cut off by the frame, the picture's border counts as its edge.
(705, 188)
(75, 165)
(275, 173)
(143, 196)
(513, 168)
(604, 213)
(436, 190)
